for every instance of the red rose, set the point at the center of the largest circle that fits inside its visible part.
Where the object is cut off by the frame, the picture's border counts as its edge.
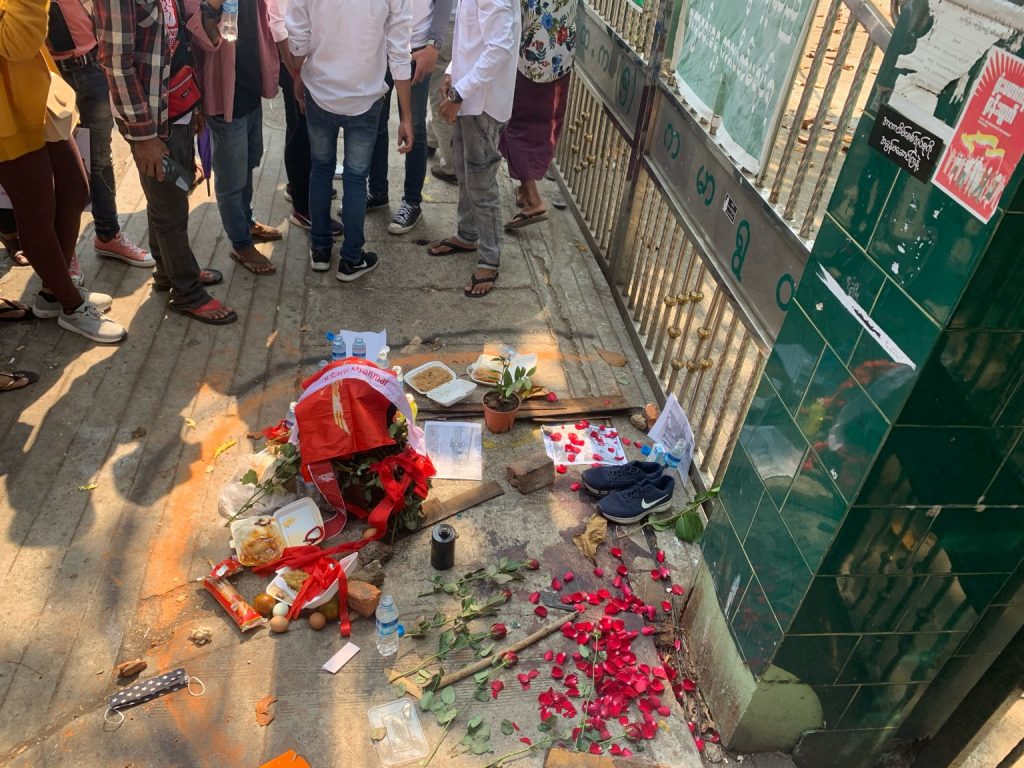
(498, 631)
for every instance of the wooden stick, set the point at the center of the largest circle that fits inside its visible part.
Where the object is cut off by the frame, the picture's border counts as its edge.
(526, 642)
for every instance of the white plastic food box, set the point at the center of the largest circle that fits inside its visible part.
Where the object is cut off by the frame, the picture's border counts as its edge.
(450, 392)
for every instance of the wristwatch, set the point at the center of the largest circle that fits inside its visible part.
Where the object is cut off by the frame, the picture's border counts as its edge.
(209, 11)
(454, 96)
(435, 43)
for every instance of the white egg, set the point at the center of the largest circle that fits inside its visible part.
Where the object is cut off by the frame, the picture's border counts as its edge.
(281, 609)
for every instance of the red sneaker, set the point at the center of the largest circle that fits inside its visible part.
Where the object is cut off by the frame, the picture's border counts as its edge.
(120, 247)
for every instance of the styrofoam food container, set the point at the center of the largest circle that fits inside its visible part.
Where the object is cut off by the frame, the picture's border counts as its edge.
(493, 363)
(452, 392)
(279, 590)
(426, 367)
(297, 523)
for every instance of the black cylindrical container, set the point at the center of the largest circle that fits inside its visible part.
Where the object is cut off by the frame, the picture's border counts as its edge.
(442, 546)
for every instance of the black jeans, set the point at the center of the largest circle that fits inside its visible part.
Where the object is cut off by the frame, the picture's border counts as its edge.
(167, 212)
(93, 101)
(297, 162)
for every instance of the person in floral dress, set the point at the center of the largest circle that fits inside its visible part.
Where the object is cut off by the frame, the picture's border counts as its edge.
(538, 111)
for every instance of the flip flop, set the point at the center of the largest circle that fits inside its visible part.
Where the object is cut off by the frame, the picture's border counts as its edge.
(480, 281)
(7, 306)
(250, 265)
(451, 245)
(14, 380)
(202, 313)
(521, 220)
(206, 277)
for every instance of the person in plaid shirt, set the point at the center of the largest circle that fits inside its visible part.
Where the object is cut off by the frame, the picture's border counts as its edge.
(143, 49)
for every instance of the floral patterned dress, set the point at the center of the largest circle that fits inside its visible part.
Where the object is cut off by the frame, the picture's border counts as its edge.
(549, 39)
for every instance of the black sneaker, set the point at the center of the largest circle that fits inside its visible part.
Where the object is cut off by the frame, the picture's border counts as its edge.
(347, 272)
(372, 204)
(408, 216)
(634, 504)
(302, 220)
(600, 481)
(320, 259)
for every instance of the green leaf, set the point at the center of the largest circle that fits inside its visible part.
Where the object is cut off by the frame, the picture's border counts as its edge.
(506, 727)
(447, 716)
(249, 478)
(689, 526)
(450, 589)
(492, 570)
(481, 676)
(485, 651)
(437, 706)
(480, 747)
(502, 563)
(399, 689)
(484, 733)
(544, 727)
(426, 700)
(467, 740)
(501, 578)
(439, 619)
(481, 694)
(585, 651)
(448, 695)
(474, 723)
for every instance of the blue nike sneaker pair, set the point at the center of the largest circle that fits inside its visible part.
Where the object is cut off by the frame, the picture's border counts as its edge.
(630, 492)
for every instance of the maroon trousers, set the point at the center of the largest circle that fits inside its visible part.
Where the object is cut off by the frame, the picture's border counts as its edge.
(49, 190)
(531, 135)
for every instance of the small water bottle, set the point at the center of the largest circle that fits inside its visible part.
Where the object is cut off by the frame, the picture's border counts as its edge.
(387, 626)
(382, 358)
(658, 453)
(229, 20)
(338, 351)
(289, 420)
(674, 455)
(359, 347)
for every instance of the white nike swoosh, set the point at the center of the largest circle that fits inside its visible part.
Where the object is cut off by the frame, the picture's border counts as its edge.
(645, 505)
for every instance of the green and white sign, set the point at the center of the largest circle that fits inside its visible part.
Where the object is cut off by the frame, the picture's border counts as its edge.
(737, 59)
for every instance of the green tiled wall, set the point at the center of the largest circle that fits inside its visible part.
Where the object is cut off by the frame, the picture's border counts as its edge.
(870, 533)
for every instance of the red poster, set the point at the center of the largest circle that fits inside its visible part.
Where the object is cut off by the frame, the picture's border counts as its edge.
(988, 140)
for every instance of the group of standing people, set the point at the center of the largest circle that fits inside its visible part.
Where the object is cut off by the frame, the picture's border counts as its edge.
(493, 73)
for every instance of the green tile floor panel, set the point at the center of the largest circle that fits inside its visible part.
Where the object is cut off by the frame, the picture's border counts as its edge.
(864, 188)
(970, 379)
(772, 441)
(1007, 487)
(813, 510)
(794, 357)
(777, 562)
(992, 300)
(899, 658)
(878, 540)
(993, 631)
(970, 540)
(815, 660)
(756, 629)
(726, 561)
(740, 491)
(939, 466)
(957, 677)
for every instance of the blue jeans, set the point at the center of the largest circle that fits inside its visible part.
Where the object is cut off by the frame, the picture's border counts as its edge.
(360, 136)
(416, 160)
(93, 101)
(237, 150)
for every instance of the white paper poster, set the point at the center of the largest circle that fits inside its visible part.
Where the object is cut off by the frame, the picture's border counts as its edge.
(456, 449)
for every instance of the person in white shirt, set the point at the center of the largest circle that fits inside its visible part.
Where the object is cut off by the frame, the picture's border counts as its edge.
(296, 138)
(429, 26)
(478, 90)
(342, 49)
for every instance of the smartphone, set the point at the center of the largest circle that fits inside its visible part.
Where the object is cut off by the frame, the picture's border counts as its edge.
(174, 173)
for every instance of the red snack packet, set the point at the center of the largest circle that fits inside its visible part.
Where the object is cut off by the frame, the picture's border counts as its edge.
(216, 583)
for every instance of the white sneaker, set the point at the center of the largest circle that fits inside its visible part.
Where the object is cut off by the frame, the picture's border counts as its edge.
(45, 309)
(88, 321)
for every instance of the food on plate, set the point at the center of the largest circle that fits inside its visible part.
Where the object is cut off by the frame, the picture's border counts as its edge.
(432, 378)
(263, 544)
(295, 579)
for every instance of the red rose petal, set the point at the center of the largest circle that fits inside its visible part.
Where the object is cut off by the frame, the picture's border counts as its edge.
(534, 597)
(656, 575)
(622, 570)
(549, 655)
(575, 487)
(688, 685)
(560, 657)
(526, 740)
(713, 737)
(533, 673)
(595, 748)
(699, 744)
(541, 611)
(552, 397)
(497, 686)
(599, 572)
(569, 576)
(571, 457)
(557, 672)
(677, 590)
(615, 552)
(660, 556)
(648, 630)
(626, 441)
(556, 436)
(524, 680)
(561, 469)
(666, 606)
(556, 584)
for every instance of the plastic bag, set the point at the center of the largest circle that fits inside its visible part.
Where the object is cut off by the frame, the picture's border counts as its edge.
(234, 495)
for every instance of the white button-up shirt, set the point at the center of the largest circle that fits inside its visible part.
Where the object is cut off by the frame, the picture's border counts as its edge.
(348, 45)
(485, 54)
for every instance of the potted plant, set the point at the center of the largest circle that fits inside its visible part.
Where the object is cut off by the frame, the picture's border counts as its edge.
(502, 402)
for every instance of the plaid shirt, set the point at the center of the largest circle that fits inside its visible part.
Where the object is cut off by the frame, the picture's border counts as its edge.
(133, 53)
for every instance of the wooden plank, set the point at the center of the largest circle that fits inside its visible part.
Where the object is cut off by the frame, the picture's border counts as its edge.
(577, 406)
(437, 510)
(567, 758)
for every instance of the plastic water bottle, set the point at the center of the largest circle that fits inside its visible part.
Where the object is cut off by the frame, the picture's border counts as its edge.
(229, 20)
(658, 453)
(359, 347)
(387, 626)
(289, 420)
(338, 351)
(382, 358)
(674, 455)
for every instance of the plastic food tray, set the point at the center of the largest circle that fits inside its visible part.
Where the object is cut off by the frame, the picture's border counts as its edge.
(452, 392)
(426, 367)
(279, 590)
(404, 742)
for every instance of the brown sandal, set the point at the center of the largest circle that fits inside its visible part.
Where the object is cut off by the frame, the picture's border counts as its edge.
(204, 314)
(14, 380)
(262, 233)
(260, 265)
